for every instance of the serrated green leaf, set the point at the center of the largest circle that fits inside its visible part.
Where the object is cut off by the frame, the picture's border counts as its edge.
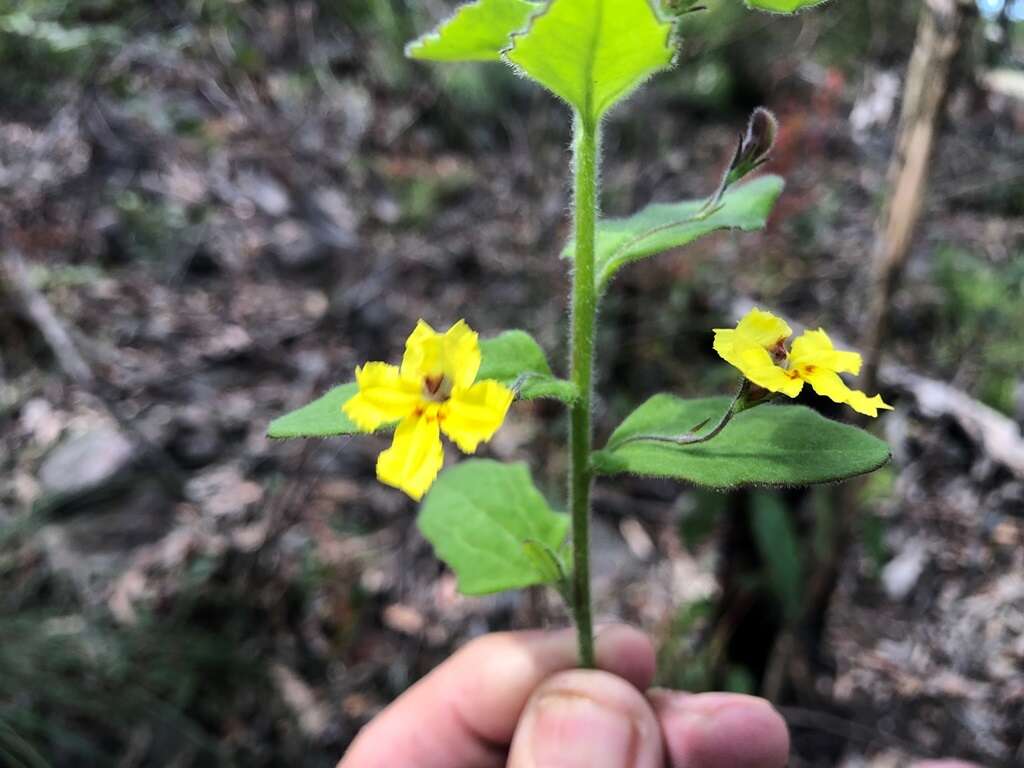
(478, 31)
(771, 445)
(321, 418)
(779, 548)
(479, 515)
(592, 53)
(517, 361)
(783, 6)
(663, 226)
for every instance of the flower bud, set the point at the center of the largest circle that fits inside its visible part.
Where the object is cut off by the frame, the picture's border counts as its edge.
(761, 134)
(755, 145)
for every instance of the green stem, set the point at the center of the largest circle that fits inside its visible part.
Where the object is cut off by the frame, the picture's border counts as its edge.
(738, 405)
(584, 311)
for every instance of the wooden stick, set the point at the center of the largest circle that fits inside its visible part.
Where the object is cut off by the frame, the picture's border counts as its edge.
(38, 310)
(939, 35)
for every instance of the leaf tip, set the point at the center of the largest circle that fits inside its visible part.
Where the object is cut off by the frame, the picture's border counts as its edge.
(412, 49)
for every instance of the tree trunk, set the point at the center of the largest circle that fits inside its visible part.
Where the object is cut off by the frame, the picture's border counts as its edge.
(939, 35)
(941, 29)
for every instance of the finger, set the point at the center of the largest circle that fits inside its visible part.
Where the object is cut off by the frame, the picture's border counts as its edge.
(463, 714)
(587, 719)
(720, 730)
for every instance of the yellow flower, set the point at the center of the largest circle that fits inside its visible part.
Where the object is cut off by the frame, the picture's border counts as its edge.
(757, 347)
(435, 390)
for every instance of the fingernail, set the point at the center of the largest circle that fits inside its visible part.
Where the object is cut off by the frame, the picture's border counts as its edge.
(573, 731)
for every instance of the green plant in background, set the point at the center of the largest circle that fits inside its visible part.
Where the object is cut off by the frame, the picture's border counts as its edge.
(42, 42)
(980, 317)
(486, 520)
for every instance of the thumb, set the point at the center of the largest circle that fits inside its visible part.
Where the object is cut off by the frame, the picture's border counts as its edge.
(587, 719)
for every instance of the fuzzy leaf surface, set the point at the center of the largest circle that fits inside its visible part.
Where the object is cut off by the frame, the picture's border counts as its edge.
(771, 445)
(592, 53)
(321, 418)
(516, 360)
(662, 226)
(480, 516)
(478, 31)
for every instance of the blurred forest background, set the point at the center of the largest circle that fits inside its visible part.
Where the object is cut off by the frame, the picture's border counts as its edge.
(211, 210)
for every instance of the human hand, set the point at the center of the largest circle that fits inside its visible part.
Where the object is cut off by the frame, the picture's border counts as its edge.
(515, 699)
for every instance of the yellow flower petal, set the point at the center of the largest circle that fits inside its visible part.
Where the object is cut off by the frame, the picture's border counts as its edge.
(757, 366)
(763, 328)
(725, 345)
(414, 458)
(815, 348)
(755, 362)
(473, 415)
(869, 406)
(383, 397)
(749, 347)
(423, 353)
(828, 384)
(756, 329)
(455, 354)
(461, 355)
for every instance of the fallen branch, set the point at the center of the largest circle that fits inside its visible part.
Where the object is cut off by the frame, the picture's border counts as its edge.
(999, 437)
(38, 310)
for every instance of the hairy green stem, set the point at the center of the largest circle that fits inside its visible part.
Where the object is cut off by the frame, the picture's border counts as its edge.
(584, 312)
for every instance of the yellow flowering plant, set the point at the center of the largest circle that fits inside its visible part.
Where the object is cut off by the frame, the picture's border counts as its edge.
(757, 348)
(435, 390)
(486, 519)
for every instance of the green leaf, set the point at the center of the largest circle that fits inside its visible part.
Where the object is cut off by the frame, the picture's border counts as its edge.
(481, 516)
(592, 53)
(773, 445)
(517, 361)
(477, 32)
(662, 226)
(783, 6)
(779, 547)
(321, 418)
(547, 562)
